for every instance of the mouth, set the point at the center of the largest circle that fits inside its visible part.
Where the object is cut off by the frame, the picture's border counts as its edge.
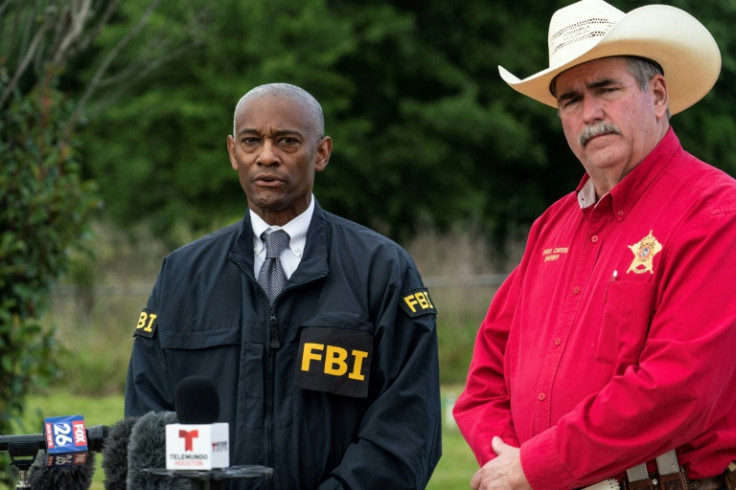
(267, 180)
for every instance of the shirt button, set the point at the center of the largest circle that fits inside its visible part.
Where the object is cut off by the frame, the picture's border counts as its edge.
(576, 290)
(542, 396)
(558, 341)
(594, 238)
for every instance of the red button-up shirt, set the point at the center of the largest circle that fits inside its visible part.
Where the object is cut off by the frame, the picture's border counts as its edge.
(614, 340)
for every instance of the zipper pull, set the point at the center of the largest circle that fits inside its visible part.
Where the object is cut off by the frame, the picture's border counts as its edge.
(275, 344)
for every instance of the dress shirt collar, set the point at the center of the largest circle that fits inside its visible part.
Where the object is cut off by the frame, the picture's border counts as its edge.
(296, 228)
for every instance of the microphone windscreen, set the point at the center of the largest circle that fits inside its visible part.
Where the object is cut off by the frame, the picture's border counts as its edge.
(196, 401)
(147, 449)
(69, 477)
(115, 454)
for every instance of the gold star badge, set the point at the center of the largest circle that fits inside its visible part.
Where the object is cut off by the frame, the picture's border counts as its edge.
(644, 253)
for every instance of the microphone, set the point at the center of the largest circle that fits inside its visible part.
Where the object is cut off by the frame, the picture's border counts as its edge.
(59, 457)
(197, 448)
(66, 477)
(115, 454)
(197, 442)
(66, 440)
(95, 439)
(147, 449)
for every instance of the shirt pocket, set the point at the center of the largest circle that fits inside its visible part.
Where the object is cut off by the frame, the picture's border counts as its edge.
(627, 312)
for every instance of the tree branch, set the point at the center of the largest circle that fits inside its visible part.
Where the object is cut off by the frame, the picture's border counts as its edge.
(78, 14)
(25, 62)
(100, 72)
(104, 19)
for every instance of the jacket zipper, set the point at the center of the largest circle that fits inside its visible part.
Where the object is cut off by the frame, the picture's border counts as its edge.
(274, 344)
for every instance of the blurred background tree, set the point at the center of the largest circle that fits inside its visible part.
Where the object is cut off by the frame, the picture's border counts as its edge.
(45, 198)
(426, 133)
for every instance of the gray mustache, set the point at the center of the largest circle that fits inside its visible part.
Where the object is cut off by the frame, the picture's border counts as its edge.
(590, 132)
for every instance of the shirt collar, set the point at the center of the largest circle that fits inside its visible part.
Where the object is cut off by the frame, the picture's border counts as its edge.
(296, 228)
(586, 193)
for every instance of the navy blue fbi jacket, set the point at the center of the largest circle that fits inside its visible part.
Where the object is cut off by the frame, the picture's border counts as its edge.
(334, 386)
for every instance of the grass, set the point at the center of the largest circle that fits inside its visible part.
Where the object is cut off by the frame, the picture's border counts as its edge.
(454, 470)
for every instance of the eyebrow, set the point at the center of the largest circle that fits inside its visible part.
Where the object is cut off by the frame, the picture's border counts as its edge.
(280, 132)
(592, 86)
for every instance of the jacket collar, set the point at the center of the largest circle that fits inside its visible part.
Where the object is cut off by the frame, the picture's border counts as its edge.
(314, 261)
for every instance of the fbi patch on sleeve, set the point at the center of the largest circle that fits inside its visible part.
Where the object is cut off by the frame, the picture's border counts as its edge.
(334, 360)
(417, 302)
(147, 324)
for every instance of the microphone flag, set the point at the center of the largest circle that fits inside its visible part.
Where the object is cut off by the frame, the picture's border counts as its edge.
(66, 440)
(197, 446)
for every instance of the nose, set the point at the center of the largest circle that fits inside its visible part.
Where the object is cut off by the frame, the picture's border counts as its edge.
(269, 153)
(592, 109)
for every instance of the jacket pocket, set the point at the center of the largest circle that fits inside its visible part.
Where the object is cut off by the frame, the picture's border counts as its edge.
(627, 311)
(212, 353)
(200, 339)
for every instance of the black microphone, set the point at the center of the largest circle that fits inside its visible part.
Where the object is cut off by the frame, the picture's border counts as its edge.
(66, 477)
(147, 449)
(115, 454)
(95, 439)
(197, 401)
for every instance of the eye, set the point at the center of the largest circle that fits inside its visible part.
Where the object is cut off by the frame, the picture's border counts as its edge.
(249, 141)
(288, 142)
(567, 103)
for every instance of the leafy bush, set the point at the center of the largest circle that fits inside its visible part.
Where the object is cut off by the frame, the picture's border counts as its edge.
(43, 207)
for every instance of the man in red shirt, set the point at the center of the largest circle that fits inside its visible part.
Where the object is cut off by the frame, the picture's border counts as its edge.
(612, 343)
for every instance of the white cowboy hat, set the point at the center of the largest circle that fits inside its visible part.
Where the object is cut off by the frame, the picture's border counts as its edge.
(592, 29)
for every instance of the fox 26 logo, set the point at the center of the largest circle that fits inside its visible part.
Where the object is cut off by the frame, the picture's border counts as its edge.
(65, 432)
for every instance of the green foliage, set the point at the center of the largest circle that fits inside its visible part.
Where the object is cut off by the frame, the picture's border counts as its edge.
(43, 207)
(410, 109)
(425, 132)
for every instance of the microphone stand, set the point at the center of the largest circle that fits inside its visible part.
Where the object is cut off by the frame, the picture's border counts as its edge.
(214, 479)
(22, 455)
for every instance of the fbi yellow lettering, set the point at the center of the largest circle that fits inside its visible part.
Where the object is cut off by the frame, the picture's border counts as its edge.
(309, 355)
(335, 360)
(145, 321)
(359, 356)
(421, 299)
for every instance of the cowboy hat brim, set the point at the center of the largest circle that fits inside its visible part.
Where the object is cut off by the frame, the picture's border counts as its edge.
(681, 45)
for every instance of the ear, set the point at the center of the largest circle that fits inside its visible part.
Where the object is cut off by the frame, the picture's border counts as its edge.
(658, 86)
(231, 152)
(324, 150)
